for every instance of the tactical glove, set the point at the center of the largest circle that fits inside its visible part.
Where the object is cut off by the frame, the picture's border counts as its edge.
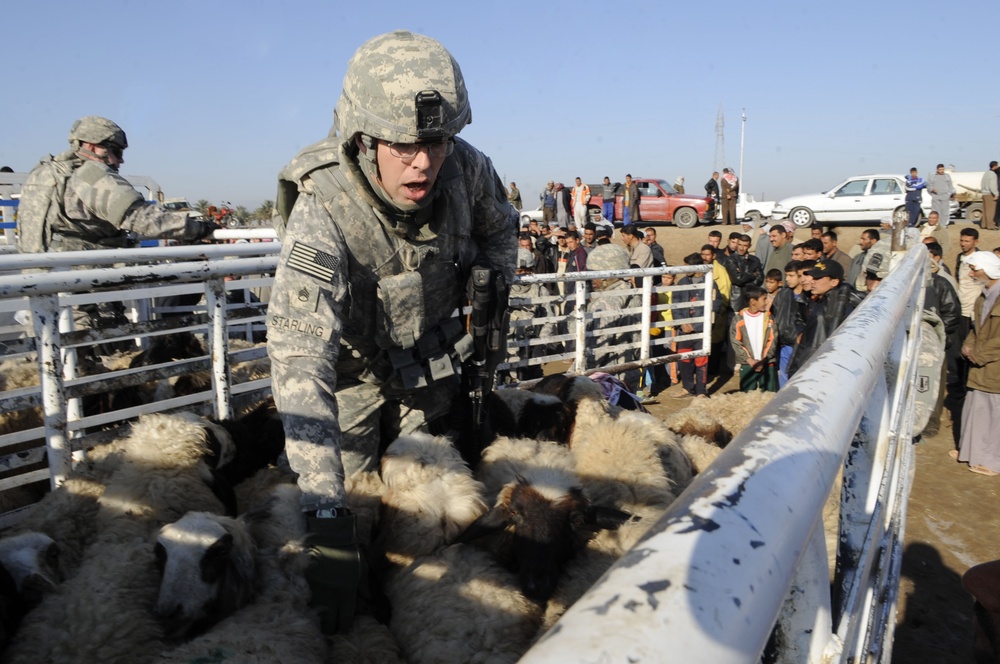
(205, 229)
(335, 569)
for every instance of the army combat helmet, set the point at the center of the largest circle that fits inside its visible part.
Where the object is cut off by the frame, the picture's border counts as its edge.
(99, 131)
(400, 87)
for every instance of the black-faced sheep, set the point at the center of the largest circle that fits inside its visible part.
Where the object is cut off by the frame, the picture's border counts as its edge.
(450, 603)
(278, 625)
(633, 464)
(206, 563)
(540, 516)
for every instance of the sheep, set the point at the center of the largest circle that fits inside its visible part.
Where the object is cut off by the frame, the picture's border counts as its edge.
(450, 602)
(632, 463)
(68, 516)
(277, 626)
(699, 451)
(206, 563)
(430, 497)
(19, 373)
(541, 516)
(367, 642)
(29, 568)
(630, 425)
(104, 613)
(719, 419)
(526, 414)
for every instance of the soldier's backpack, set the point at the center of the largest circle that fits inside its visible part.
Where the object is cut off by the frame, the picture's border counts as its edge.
(42, 196)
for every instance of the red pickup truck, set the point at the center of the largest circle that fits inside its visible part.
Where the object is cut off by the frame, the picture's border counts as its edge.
(659, 203)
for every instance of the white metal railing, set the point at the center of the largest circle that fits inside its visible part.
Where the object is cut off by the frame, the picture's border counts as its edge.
(576, 327)
(42, 285)
(739, 558)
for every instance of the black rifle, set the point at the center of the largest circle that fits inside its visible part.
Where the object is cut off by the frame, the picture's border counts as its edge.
(488, 326)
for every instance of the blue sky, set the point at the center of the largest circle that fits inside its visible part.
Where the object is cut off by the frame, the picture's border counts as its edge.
(216, 96)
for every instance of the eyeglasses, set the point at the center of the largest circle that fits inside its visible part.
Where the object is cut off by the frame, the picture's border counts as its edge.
(408, 151)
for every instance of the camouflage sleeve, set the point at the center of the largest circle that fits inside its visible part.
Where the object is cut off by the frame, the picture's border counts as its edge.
(303, 341)
(494, 219)
(152, 220)
(109, 197)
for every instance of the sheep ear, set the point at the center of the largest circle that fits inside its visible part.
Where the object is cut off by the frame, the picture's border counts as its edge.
(605, 518)
(491, 522)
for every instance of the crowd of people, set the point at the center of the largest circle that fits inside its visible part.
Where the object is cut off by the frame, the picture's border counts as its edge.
(777, 298)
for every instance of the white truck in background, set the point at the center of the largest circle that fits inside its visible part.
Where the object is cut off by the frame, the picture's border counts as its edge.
(968, 193)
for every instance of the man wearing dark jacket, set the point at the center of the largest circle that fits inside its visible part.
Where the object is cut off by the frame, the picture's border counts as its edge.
(744, 270)
(832, 302)
(789, 313)
(712, 187)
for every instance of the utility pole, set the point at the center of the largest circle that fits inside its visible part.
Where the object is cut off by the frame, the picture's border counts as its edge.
(743, 129)
(720, 141)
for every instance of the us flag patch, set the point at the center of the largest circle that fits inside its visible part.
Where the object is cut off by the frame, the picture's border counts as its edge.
(313, 262)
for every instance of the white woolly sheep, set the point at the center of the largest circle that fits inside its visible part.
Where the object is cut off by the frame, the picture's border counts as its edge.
(630, 425)
(32, 560)
(450, 604)
(104, 613)
(277, 626)
(29, 569)
(430, 496)
(720, 418)
(699, 451)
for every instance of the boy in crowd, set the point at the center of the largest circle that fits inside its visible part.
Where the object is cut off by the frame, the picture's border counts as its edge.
(812, 249)
(788, 312)
(772, 283)
(753, 338)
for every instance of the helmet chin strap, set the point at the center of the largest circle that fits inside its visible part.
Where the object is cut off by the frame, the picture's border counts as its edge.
(368, 161)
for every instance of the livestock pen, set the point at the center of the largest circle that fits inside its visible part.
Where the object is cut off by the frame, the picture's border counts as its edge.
(736, 563)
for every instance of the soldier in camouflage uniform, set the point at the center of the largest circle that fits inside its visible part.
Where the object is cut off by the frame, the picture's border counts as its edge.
(612, 295)
(76, 200)
(524, 307)
(380, 224)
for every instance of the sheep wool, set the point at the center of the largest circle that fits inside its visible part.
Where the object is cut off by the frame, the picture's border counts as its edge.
(449, 603)
(430, 496)
(278, 626)
(104, 613)
(546, 465)
(459, 606)
(367, 642)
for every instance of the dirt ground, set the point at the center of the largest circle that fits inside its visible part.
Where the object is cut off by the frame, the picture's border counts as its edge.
(952, 522)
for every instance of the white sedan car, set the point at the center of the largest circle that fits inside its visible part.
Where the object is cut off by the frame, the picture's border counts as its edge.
(531, 215)
(863, 199)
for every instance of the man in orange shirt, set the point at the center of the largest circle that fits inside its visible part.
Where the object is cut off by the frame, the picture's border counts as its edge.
(581, 196)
